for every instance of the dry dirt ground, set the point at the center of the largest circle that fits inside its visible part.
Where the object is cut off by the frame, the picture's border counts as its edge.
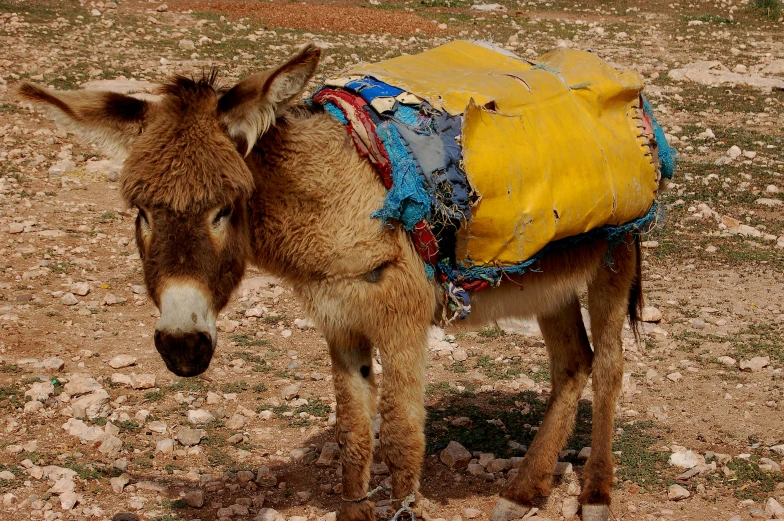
(75, 324)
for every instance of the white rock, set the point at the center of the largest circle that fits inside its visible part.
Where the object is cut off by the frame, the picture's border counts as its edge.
(52, 363)
(69, 299)
(734, 152)
(471, 513)
(110, 446)
(80, 288)
(162, 8)
(165, 446)
(756, 364)
(120, 361)
(290, 391)
(119, 483)
(686, 459)
(727, 360)
(90, 406)
(569, 507)
(200, 416)
(62, 485)
(187, 44)
(774, 509)
(68, 500)
(40, 391)
(651, 314)
(677, 493)
(236, 422)
(80, 384)
(142, 381)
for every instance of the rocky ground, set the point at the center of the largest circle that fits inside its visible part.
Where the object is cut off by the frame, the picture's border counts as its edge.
(93, 427)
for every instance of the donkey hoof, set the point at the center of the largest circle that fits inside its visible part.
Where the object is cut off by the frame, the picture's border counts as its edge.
(596, 512)
(506, 510)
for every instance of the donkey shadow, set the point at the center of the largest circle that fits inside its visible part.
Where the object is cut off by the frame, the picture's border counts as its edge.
(501, 423)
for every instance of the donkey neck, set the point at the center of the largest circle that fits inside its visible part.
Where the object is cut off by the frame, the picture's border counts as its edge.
(313, 199)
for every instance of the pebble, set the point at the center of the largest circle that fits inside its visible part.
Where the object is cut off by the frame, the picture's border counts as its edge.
(119, 483)
(125, 516)
(569, 507)
(162, 8)
(697, 323)
(290, 391)
(734, 152)
(727, 360)
(686, 459)
(774, 509)
(471, 513)
(200, 416)
(756, 364)
(189, 437)
(120, 361)
(69, 299)
(455, 456)
(651, 314)
(80, 288)
(677, 493)
(194, 498)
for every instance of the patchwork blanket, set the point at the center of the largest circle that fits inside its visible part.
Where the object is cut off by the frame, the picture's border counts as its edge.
(491, 161)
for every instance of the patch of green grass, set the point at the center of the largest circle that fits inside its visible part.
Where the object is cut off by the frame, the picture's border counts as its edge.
(760, 340)
(711, 18)
(259, 387)
(314, 407)
(129, 426)
(747, 480)
(154, 396)
(235, 387)
(90, 470)
(167, 517)
(244, 340)
(142, 463)
(773, 9)
(637, 462)
(188, 385)
(491, 332)
(174, 504)
(9, 368)
(12, 393)
(273, 319)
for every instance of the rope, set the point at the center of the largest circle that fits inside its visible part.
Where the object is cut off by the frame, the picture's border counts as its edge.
(404, 508)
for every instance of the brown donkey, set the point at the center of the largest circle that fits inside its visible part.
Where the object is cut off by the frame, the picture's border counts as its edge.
(223, 177)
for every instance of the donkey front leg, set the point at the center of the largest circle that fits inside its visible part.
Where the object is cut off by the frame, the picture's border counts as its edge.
(356, 394)
(570, 365)
(403, 408)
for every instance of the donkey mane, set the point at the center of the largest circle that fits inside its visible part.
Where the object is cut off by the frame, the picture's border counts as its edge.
(190, 90)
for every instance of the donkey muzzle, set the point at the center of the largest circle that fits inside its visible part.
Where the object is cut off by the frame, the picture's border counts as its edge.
(185, 335)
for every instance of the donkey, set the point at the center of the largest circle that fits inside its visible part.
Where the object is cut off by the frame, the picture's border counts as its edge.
(222, 177)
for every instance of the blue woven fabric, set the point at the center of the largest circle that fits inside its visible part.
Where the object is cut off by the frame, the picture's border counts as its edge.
(335, 112)
(370, 88)
(667, 155)
(407, 201)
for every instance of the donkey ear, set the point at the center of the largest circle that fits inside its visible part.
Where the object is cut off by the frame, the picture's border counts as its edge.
(110, 119)
(250, 108)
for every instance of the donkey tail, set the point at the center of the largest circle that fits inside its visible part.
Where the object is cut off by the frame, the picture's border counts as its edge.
(636, 301)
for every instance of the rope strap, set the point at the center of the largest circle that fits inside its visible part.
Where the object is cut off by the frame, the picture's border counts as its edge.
(405, 506)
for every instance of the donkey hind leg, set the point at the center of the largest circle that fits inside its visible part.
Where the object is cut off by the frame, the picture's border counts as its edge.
(356, 393)
(608, 302)
(570, 364)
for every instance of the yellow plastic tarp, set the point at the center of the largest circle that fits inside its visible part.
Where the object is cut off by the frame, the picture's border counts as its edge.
(554, 149)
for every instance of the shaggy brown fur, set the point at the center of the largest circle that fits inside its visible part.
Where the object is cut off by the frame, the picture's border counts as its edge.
(299, 206)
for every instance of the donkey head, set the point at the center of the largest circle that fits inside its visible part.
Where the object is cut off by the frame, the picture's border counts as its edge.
(185, 173)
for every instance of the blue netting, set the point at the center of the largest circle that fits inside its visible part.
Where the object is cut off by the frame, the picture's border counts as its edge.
(407, 201)
(667, 155)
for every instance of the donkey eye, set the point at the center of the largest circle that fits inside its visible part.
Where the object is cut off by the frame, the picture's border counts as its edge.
(222, 214)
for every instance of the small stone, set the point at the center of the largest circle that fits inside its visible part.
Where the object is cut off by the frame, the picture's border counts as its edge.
(686, 459)
(674, 377)
(52, 363)
(754, 365)
(727, 360)
(265, 478)
(244, 476)
(142, 381)
(194, 498)
(455, 456)
(69, 299)
(200, 416)
(569, 507)
(774, 509)
(80, 288)
(40, 391)
(236, 422)
(651, 314)
(471, 513)
(499, 465)
(677, 493)
(68, 500)
(697, 323)
(120, 361)
(79, 384)
(584, 454)
(460, 355)
(187, 44)
(91, 406)
(165, 446)
(290, 391)
(119, 483)
(562, 468)
(62, 485)
(734, 152)
(189, 437)
(110, 446)
(330, 455)
(162, 8)
(7, 475)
